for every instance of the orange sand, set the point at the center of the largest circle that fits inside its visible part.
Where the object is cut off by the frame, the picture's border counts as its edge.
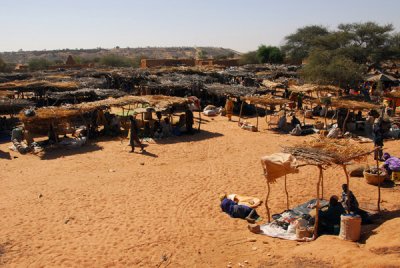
(104, 207)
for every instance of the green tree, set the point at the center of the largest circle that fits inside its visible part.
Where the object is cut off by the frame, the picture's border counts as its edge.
(3, 65)
(370, 41)
(269, 54)
(326, 67)
(248, 58)
(39, 64)
(299, 44)
(113, 60)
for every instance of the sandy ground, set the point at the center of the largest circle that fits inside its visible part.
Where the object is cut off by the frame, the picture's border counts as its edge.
(100, 206)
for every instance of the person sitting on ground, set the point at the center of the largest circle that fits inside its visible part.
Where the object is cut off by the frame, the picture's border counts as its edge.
(351, 205)
(166, 127)
(331, 216)
(158, 130)
(295, 121)
(238, 211)
(134, 131)
(391, 163)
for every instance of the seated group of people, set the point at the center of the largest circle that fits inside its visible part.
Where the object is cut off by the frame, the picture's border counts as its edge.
(162, 127)
(329, 217)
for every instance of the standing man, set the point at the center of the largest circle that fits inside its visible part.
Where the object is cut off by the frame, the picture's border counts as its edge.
(134, 135)
(189, 121)
(229, 108)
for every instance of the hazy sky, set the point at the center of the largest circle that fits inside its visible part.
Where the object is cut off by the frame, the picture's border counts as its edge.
(238, 24)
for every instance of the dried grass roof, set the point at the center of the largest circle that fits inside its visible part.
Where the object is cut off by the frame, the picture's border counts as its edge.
(307, 88)
(52, 113)
(353, 103)
(232, 90)
(13, 105)
(39, 84)
(394, 94)
(327, 151)
(271, 84)
(265, 100)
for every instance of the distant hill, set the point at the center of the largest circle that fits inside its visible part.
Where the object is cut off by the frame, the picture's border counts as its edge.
(145, 52)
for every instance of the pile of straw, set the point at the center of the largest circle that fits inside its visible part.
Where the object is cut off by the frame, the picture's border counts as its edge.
(325, 151)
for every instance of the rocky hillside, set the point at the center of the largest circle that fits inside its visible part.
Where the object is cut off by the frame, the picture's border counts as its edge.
(146, 52)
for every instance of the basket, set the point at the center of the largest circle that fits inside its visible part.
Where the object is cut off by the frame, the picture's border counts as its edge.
(302, 232)
(374, 179)
(319, 125)
(350, 227)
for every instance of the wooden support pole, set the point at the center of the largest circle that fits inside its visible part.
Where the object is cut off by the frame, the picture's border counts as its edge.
(257, 116)
(199, 119)
(266, 202)
(345, 121)
(379, 181)
(241, 109)
(326, 112)
(317, 208)
(321, 174)
(287, 195)
(348, 187)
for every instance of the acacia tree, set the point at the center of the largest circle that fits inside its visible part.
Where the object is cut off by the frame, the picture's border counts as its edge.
(299, 44)
(269, 54)
(326, 67)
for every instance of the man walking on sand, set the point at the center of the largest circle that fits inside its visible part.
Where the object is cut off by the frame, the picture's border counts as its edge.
(134, 135)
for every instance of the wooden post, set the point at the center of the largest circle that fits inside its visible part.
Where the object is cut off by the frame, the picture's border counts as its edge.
(287, 195)
(326, 112)
(266, 202)
(199, 119)
(379, 181)
(348, 187)
(257, 116)
(317, 209)
(345, 121)
(321, 174)
(241, 109)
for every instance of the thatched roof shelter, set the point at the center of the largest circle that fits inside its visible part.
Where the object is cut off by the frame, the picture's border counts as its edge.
(271, 84)
(327, 152)
(353, 103)
(8, 106)
(265, 100)
(32, 85)
(86, 93)
(309, 88)
(231, 90)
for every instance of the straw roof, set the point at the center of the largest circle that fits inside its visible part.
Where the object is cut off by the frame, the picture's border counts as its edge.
(327, 152)
(13, 105)
(52, 113)
(265, 100)
(233, 90)
(39, 84)
(271, 84)
(308, 88)
(394, 94)
(353, 103)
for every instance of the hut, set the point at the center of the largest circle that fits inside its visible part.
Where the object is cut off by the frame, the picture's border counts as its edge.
(320, 153)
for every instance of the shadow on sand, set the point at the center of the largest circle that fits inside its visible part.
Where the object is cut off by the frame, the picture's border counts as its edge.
(5, 155)
(196, 136)
(54, 153)
(378, 219)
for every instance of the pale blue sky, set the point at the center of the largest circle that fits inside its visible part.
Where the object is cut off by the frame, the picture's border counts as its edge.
(238, 24)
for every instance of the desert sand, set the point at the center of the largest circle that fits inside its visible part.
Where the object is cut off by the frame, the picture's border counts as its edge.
(101, 206)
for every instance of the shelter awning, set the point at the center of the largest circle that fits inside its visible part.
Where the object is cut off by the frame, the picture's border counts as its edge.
(278, 165)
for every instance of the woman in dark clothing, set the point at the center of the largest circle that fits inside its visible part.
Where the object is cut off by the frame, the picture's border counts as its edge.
(330, 217)
(134, 135)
